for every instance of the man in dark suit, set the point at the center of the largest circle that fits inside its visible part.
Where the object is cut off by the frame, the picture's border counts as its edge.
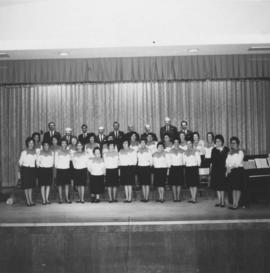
(168, 129)
(148, 131)
(68, 135)
(101, 137)
(84, 136)
(116, 134)
(184, 129)
(51, 133)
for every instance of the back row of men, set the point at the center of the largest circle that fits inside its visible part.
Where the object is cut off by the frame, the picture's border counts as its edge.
(117, 135)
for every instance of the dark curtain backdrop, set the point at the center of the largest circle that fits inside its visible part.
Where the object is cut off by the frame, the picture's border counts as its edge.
(231, 107)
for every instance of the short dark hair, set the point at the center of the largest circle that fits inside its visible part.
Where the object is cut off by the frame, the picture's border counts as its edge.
(196, 133)
(84, 125)
(111, 143)
(236, 139)
(27, 141)
(63, 140)
(45, 142)
(210, 133)
(184, 121)
(125, 140)
(36, 134)
(219, 137)
(116, 122)
(96, 148)
(51, 122)
(166, 134)
(161, 143)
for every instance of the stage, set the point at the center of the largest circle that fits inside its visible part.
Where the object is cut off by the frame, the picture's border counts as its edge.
(137, 237)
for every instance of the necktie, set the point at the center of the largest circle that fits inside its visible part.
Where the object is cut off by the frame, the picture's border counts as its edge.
(167, 128)
(116, 135)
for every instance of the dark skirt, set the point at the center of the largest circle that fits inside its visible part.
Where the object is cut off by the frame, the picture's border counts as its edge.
(28, 177)
(160, 177)
(192, 176)
(144, 175)
(236, 179)
(177, 176)
(63, 177)
(127, 175)
(218, 179)
(112, 178)
(80, 177)
(97, 184)
(45, 176)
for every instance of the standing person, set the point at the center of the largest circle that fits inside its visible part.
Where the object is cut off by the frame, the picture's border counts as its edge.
(218, 169)
(96, 167)
(127, 162)
(80, 160)
(54, 148)
(68, 135)
(111, 160)
(176, 174)
(198, 144)
(184, 129)
(207, 150)
(38, 146)
(134, 142)
(89, 147)
(169, 129)
(27, 163)
(161, 165)
(167, 142)
(117, 134)
(51, 133)
(235, 171)
(192, 161)
(101, 137)
(84, 136)
(45, 162)
(183, 142)
(130, 131)
(151, 143)
(144, 169)
(62, 165)
(147, 131)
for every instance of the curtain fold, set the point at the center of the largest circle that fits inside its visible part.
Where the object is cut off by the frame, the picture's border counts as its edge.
(135, 69)
(229, 107)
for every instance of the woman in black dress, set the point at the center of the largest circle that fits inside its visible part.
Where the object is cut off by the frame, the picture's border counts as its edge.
(218, 169)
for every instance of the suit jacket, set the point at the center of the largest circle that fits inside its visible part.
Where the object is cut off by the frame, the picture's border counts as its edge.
(144, 136)
(119, 138)
(84, 140)
(68, 139)
(172, 132)
(188, 133)
(48, 138)
(99, 141)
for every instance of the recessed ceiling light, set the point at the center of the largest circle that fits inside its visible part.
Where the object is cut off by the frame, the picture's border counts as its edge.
(63, 53)
(193, 50)
(4, 55)
(258, 48)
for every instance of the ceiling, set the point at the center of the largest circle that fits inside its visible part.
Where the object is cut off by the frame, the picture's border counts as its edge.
(41, 29)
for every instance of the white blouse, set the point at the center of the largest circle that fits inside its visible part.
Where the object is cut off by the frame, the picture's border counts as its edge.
(152, 147)
(45, 160)
(208, 151)
(79, 160)
(144, 157)
(192, 160)
(127, 158)
(161, 160)
(235, 160)
(111, 160)
(96, 166)
(28, 159)
(176, 158)
(200, 146)
(62, 159)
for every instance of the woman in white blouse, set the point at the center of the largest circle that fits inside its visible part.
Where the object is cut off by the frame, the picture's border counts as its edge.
(79, 162)
(127, 163)
(235, 171)
(192, 160)
(198, 144)
(62, 165)
(183, 142)
(144, 169)
(111, 160)
(96, 167)
(167, 142)
(161, 165)
(207, 150)
(176, 174)
(27, 163)
(89, 147)
(45, 162)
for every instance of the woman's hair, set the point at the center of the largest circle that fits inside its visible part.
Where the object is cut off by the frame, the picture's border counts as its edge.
(63, 140)
(196, 133)
(27, 141)
(45, 142)
(166, 134)
(36, 134)
(161, 143)
(219, 137)
(96, 148)
(211, 134)
(111, 143)
(236, 139)
(177, 138)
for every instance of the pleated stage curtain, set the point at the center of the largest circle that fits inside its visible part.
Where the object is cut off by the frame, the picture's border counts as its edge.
(230, 107)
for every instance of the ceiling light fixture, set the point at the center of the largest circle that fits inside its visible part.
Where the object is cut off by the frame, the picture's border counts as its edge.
(259, 48)
(4, 55)
(193, 50)
(63, 53)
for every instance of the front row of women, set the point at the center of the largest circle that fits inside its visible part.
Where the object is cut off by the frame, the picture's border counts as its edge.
(179, 165)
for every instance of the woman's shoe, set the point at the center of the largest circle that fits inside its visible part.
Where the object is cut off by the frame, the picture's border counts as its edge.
(32, 204)
(218, 205)
(115, 200)
(48, 202)
(82, 201)
(60, 202)
(110, 201)
(97, 201)
(43, 203)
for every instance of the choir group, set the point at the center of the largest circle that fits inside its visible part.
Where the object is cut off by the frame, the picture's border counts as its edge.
(107, 161)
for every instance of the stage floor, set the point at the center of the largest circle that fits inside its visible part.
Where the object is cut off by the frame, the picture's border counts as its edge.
(105, 212)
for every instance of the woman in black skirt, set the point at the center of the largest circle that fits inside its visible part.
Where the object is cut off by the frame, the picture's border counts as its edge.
(127, 163)
(176, 174)
(62, 165)
(45, 163)
(218, 169)
(161, 165)
(144, 169)
(207, 150)
(235, 171)
(79, 163)
(27, 163)
(96, 167)
(111, 160)
(192, 160)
